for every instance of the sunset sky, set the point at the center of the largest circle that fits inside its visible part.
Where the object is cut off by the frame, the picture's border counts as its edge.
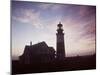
(37, 22)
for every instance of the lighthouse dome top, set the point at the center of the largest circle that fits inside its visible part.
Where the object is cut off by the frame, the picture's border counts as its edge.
(60, 25)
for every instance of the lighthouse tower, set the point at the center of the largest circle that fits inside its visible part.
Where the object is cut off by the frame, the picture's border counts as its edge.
(60, 42)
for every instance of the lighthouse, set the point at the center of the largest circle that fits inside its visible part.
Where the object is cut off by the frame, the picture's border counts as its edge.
(60, 42)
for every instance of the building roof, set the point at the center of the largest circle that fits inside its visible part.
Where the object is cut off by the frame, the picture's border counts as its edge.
(39, 48)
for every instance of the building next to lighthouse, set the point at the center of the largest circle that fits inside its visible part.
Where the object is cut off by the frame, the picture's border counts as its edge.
(60, 54)
(37, 53)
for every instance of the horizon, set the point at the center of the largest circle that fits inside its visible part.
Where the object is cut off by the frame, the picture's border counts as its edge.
(37, 21)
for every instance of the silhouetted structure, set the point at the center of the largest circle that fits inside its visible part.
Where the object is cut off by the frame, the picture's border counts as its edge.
(37, 53)
(60, 43)
(40, 57)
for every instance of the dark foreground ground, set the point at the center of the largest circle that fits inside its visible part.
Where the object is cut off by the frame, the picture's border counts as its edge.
(69, 64)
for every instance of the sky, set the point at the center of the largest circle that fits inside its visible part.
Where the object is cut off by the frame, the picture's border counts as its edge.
(37, 22)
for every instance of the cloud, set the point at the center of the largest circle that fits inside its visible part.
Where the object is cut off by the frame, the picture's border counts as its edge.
(78, 24)
(52, 7)
(80, 36)
(84, 11)
(28, 16)
(87, 12)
